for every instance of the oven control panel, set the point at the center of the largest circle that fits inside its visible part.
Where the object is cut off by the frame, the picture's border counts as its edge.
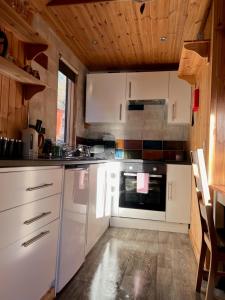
(144, 167)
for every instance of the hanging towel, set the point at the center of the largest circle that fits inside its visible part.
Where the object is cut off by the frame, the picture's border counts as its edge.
(82, 182)
(142, 183)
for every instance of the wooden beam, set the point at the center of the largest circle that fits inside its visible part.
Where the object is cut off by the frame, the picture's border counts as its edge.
(200, 34)
(73, 2)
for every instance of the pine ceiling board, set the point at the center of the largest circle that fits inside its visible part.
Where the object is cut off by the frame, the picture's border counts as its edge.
(108, 35)
(181, 19)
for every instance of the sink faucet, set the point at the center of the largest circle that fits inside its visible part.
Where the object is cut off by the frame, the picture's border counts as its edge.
(71, 151)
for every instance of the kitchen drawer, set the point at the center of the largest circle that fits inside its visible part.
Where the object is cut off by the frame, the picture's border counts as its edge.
(26, 186)
(28, 266)
(23, 220)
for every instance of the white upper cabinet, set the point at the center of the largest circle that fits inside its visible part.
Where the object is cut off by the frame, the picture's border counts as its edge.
(147, 85)
(105, 98)
(179, 104)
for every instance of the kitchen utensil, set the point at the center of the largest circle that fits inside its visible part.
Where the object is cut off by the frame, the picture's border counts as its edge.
(3, 145)
(10, 148)
(47, 147)
(38, 126)
(18, 149)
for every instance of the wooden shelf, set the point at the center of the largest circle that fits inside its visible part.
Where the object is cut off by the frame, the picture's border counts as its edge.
(193, 55)
(31, 85)
(12, 21)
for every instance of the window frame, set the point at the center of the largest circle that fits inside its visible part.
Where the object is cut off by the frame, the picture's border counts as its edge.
(70, 101)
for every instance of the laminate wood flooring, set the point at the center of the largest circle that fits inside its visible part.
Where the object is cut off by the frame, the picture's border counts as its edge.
(138, 265)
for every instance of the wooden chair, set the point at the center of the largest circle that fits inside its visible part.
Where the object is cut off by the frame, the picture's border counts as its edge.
(210, 238)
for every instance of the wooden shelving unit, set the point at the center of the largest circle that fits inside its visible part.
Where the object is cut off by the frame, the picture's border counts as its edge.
(194, 54)
(31, 85)
(12, 21)
(34, 45)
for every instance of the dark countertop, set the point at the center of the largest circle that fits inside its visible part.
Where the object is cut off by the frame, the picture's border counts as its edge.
(169, 162)
(66, 162)
(46, 162)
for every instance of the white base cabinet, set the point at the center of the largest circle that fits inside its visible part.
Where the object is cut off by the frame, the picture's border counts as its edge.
(98, 215)
(178, 194)
(28, 266)
(29, 224)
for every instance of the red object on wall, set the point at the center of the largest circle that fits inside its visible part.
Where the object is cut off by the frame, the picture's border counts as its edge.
(196, 100)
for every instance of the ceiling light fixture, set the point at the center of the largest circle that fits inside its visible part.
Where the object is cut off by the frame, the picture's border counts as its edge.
(163, 39)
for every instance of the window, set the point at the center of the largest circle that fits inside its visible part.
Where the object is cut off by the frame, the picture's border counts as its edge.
(65, 131)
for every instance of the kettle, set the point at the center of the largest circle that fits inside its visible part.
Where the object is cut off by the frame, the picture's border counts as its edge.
(30, 143)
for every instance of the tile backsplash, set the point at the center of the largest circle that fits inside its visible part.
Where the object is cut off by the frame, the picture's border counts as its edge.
(143, 149)
(148, 124)
(153, 150)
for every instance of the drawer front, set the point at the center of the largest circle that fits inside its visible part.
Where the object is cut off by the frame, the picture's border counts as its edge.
(28, 266)
(23, 220)
(26, 186)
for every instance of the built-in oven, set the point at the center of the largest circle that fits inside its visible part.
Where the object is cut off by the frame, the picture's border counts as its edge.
(150, 204)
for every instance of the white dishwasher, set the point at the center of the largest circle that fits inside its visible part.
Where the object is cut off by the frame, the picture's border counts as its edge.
(73, 231)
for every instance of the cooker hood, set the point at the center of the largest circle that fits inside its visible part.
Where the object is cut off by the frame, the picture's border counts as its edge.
(140, 104)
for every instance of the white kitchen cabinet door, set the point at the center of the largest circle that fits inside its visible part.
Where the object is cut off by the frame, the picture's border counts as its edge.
(24, 219)
(105, 98)
(179, 103)
(147, 85)
(98, 219)
(22, 187)
(73, 232)
(178, 194)
(28, 266)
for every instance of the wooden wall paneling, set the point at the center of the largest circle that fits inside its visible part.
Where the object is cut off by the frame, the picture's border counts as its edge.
(11, 130)
(199, 138)
(1, 121)
(218, 93)
(200, 134)
(13, 112)
(209, 129)
(4, 104)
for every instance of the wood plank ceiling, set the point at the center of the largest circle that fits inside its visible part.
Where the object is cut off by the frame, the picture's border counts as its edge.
(115, 35)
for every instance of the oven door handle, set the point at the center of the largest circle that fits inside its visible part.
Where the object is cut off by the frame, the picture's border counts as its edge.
(135, 175)
(130, 174)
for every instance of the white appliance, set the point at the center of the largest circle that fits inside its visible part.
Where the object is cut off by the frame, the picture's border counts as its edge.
(73, 231)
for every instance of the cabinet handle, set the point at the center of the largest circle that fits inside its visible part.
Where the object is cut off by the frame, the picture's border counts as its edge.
(129, 89)
(170, 191)
(32, 220)
(36, 238)
(30, 189)
(174, 112)
(120, 115)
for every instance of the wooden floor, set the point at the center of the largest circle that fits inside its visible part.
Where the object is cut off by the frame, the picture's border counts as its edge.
(136, 264)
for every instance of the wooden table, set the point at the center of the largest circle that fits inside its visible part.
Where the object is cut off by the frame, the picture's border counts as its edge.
(217, 189)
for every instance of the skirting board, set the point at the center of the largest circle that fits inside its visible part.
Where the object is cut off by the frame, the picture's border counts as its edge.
(148, 224)
(50, 295)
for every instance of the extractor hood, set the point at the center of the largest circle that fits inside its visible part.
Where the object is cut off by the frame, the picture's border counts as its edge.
(140, 104)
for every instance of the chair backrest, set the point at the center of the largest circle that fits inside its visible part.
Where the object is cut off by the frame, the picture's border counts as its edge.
(203, 196)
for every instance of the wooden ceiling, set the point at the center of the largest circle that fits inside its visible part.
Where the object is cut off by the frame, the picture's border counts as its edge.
(115, 35)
